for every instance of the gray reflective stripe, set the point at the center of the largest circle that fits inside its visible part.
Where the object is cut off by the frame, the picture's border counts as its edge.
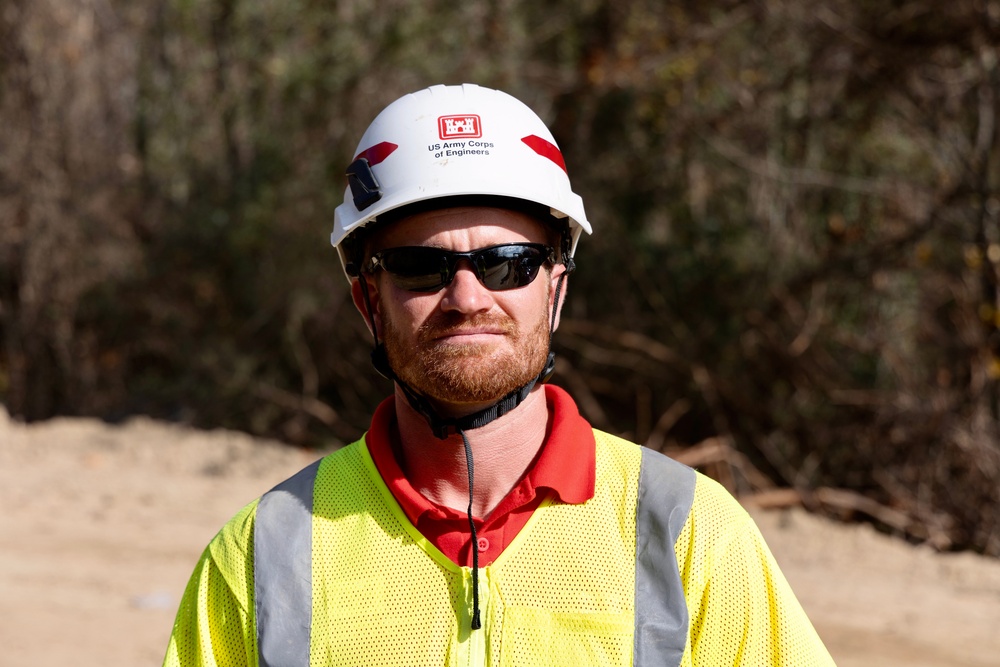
(666, 491)
(282, 572)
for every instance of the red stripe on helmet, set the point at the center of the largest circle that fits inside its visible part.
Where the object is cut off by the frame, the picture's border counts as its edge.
(545, 148)
(377, 153)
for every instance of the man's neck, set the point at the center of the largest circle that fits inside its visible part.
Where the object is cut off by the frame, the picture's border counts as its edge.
(503, 450)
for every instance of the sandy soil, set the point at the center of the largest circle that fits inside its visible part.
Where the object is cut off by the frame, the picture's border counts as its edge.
(101, 525)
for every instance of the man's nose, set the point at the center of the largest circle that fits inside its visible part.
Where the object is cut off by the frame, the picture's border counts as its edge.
(465, 293)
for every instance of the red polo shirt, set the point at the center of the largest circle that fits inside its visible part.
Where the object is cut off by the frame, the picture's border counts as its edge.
(564, 469)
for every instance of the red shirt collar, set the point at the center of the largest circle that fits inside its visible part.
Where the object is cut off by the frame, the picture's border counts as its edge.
(565, 466)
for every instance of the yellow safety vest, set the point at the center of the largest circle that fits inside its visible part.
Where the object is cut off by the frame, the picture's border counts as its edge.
(660, 567)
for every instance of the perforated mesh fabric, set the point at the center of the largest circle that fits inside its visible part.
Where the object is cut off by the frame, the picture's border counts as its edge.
(214, 625)
(566, 582)
(742, 610)
(560, 594)
(378, 598)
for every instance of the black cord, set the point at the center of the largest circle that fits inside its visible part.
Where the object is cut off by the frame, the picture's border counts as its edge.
(476, 624)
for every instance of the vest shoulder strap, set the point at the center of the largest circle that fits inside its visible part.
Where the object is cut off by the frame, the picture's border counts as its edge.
(666, 494)
(283, 570)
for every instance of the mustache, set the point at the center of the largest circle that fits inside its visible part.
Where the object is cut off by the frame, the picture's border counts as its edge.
(447, 324)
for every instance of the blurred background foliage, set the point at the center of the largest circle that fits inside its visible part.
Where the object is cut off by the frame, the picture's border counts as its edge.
(793, 281)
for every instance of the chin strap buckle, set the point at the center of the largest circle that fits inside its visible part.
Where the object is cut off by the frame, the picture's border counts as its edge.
(548, 370)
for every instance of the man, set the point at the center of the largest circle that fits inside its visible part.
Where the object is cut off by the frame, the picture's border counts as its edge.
(481, 520)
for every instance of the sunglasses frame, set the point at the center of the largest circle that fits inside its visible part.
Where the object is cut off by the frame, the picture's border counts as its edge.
(448, 264)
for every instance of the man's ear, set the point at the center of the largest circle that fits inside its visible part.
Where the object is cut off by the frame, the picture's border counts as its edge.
(358, 295)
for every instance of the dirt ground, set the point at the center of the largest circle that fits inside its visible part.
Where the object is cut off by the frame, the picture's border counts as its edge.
(101, 525)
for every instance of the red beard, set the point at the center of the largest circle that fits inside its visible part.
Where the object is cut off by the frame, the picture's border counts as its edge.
(473, 372)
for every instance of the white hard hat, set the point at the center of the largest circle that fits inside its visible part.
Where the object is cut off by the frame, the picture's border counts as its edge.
(456, 141)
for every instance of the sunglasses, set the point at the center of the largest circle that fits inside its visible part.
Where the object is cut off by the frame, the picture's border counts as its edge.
(426, 269)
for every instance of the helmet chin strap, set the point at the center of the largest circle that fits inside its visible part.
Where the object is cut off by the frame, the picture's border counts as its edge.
(441, 426)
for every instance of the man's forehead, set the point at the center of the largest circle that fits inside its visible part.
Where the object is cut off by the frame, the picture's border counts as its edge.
(472, 226)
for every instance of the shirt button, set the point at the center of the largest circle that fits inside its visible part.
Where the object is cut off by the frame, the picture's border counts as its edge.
(482, 544)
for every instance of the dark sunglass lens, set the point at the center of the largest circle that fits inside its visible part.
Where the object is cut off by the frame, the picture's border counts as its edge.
(417, 269)
(501, 267)
(509, 267)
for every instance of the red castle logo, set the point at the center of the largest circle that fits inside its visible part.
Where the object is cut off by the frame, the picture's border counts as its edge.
(465, 126)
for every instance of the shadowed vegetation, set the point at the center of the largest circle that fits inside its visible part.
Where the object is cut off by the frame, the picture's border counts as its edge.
(793, 279)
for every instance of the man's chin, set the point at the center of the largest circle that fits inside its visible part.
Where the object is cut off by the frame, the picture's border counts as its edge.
(468, 383)
(477, 351)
